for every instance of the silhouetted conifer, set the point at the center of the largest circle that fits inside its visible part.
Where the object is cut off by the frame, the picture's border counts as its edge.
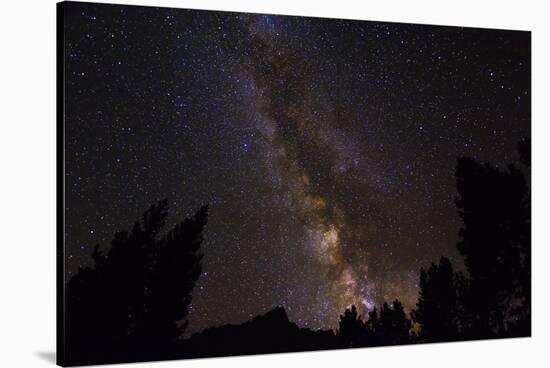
(524, 151)
(352, 329)
(495, 241)
(176, 269)
(393, 325)
(390, 327)
(438, 310)
(110, 306)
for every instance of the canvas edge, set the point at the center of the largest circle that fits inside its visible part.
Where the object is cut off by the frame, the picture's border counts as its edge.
(60, 196)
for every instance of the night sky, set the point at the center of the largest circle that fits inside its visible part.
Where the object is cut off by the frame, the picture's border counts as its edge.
(325, 148)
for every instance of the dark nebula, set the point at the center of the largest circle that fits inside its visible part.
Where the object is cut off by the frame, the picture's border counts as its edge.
(325, 148)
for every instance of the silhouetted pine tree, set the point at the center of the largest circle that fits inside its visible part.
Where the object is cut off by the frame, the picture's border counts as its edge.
(371, 326)
(390, 327)
(393, 327)
(495, 241)
(439, 311)
(108, 306)
(352, 329)
(175, 271)
(524, 151)
(521, 315)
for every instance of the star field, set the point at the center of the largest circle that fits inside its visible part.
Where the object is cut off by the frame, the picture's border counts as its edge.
(325, 148)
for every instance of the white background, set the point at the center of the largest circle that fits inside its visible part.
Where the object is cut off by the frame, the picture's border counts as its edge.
(27, 159)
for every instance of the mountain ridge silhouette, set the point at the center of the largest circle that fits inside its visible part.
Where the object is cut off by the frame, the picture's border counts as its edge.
(250, 337)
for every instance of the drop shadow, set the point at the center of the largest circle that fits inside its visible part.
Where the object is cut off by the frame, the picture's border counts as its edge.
(48, 356)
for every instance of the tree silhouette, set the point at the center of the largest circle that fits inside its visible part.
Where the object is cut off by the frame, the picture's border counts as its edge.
(393, 327)
(495, 240)
(524, 151)
(352, 329)
(439, 312)
(110, 307)
(371, 327)
(175, 271)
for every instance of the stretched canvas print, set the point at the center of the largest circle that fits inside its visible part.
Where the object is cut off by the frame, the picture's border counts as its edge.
(235, 183)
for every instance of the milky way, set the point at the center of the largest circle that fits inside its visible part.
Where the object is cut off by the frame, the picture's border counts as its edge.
(304, 163)
(325, 148)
